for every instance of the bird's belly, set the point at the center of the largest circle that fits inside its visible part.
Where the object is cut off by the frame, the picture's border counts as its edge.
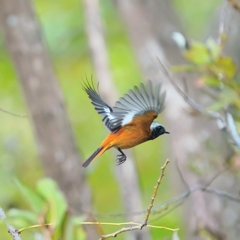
(129, 139)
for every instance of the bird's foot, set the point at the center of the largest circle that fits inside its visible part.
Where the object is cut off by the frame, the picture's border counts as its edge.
(120, 159)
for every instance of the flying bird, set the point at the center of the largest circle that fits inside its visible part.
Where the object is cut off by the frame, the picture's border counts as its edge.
(130, 121)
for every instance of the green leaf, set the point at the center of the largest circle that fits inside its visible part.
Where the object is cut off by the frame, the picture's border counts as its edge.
(47, 188)
(183, 68)
(78, 232)
(224, 68)
(73, 229)
(57, 206)
(33, 198)
(211, 81)
(22, 217)
(198, 54)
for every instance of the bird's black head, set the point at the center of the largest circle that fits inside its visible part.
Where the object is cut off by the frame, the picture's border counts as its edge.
(157, 130)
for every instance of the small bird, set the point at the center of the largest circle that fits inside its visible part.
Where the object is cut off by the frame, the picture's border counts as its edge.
(130, 121)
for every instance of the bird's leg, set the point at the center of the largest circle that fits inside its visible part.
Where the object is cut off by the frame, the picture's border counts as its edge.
(121, 158)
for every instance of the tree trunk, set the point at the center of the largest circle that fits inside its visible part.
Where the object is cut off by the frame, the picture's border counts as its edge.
(55, 140)
(150, 24)
(126, 173)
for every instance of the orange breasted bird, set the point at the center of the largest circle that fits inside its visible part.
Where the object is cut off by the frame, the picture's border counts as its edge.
(130, 121)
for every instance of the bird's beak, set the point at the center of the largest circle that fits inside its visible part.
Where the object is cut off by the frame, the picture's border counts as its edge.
(167, 132)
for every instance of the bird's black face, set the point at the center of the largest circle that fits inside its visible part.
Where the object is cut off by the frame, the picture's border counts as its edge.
(157, 130)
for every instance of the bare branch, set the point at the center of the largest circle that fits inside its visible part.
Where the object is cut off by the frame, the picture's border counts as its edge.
(13, 232)
(165, 207)
(126, 229)
(168, 206)
(179, 200)
(229, 125)
(222, 24)
(2, 214)
(13, 114)
(232, 129)
(138, 227)
(144, 224)
(155, 193)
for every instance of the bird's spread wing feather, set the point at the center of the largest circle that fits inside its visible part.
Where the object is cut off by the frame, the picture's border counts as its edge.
(135, 103)
(139, 101)
(102, 108)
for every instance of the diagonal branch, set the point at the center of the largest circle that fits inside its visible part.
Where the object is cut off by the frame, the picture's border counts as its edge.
(155, 193)
(144, 224)
(227, 125)
(13, 114)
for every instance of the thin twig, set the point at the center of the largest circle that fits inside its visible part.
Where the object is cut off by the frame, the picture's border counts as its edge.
(179, 200)
(144, 224)
(181, 175)
(155, 193)
(232, 129)
(176, 201)
(11, 230)
(228, 126)
(126, 223)
(13, 114)
(222, 23)
(35, 226)
(125, 229)
(181, 197)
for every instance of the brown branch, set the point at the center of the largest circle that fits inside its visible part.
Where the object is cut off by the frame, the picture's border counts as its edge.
(138, 226)
(204, 188)
(177, 199)
(180, 198)
(125, 229)
(155, 193)
(144, 224)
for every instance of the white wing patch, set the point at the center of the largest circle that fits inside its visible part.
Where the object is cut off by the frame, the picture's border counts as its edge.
(128, 118)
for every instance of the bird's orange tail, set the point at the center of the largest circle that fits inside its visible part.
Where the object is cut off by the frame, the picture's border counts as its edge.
(97, 153)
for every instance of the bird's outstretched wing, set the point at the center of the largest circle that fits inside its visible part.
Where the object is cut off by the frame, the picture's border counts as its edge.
(136, 102)
(112, 123)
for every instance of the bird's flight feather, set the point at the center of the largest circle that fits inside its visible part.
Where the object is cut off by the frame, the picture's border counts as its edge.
(135, 103)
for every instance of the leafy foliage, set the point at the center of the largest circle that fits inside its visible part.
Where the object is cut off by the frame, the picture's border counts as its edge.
(48, 212)
(215, 70)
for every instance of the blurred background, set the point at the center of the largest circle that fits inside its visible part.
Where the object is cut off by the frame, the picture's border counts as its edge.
(49, 127)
